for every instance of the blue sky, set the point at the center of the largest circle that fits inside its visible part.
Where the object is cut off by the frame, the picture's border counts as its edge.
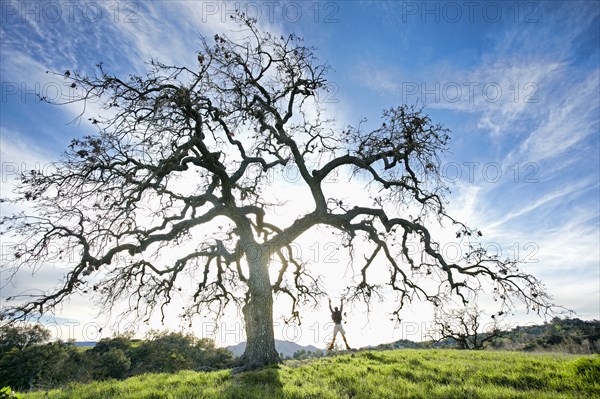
(518, 84)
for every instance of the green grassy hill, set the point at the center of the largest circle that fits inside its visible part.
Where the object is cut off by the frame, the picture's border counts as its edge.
(426, 374)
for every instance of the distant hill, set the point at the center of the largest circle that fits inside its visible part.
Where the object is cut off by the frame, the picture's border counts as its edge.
(560, 335)
(285, 347)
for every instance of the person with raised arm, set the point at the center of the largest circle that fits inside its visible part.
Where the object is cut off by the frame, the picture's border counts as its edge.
(336, 316)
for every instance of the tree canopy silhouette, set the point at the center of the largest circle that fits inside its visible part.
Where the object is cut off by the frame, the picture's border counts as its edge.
(167, 197)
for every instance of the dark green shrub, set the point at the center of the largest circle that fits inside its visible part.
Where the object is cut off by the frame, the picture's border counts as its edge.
(35, 366)
(171, 352)
(113, 363)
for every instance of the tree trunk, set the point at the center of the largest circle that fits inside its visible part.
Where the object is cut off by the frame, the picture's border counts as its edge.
(258, 316)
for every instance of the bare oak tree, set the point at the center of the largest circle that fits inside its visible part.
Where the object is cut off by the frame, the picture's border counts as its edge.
(167, 196)
(466, 327)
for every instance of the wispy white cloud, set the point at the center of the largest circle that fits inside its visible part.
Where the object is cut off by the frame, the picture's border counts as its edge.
(571, 117)
(546, 198)
(381, 78)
